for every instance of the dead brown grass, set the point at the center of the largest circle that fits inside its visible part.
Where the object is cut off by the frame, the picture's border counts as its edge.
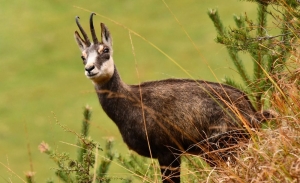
(273, 154)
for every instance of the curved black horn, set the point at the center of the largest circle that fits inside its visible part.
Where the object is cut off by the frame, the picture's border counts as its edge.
(82, 31)
(95, 40)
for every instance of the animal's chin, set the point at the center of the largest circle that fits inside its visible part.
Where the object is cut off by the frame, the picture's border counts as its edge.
(91, 75)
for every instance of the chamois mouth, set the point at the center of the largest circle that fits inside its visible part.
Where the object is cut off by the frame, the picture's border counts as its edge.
(91, 75)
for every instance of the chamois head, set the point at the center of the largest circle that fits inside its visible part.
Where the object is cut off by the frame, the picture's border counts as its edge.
(96, 56)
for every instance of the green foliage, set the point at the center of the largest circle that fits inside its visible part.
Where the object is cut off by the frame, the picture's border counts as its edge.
(105, 163)
(268, 53)
(224, 38)
(199, 170)
(84, 133)
(83, 169)
(140, 167)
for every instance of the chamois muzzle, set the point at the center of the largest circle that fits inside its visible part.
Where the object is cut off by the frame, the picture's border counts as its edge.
(86, 39)
(94, 37)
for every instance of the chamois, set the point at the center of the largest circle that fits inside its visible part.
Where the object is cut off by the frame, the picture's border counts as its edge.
(163, 119)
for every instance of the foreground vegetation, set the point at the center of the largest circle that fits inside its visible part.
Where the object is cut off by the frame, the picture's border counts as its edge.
(271, 155)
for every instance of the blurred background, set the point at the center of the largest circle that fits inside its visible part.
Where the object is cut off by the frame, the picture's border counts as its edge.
(42, 77)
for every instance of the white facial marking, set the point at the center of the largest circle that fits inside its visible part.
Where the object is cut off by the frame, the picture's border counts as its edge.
(92, 58)
(90, 63)
(106, 71)
(84, 54)
(100, 48)
(107, 67)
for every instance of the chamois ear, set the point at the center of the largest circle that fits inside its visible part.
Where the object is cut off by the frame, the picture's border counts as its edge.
(82, 45)
(105, 35)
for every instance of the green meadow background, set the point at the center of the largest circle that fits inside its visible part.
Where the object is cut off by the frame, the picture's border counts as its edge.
(42, 78)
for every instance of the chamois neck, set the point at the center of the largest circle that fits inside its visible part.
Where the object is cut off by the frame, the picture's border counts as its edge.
(111, 96)
(114, 84)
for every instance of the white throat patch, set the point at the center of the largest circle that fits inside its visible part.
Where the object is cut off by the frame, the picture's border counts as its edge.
(106, 71)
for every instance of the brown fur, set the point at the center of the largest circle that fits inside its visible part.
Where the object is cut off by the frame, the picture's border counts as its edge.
(166, 118)
(180, 115)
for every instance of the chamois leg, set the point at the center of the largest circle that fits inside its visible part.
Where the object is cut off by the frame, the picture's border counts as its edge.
(169, 167)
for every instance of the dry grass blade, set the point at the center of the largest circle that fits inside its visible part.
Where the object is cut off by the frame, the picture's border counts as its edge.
(10, 170)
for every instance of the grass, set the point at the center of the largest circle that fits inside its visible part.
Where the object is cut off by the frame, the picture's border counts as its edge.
(42, 76)
(275, 155)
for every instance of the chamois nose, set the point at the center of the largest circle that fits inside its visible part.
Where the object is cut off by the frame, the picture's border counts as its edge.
(89, 68)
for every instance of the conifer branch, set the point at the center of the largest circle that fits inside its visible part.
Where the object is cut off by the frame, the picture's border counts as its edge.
(233, 53)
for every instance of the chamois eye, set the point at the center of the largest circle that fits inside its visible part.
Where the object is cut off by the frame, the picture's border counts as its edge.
(105, 50)
(82, 57)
